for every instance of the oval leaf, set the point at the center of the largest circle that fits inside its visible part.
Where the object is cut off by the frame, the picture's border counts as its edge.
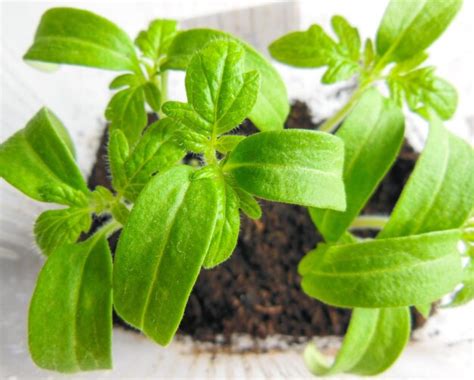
(70, 316)
(372, 135)
(161, 250)
(292, 166)
(384, 272)
(79, 37)
(39, 162)
(271, 108)
(409, 27)
(374, 340)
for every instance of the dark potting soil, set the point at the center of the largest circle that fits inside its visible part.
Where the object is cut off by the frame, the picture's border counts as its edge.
(257, 291)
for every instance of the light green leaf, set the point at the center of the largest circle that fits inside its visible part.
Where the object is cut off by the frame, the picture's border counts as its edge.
(372, 135)
(314, 48)
(466, 293)
(291, 166)
(118, 152)
(227, 143)
(126, 111)
(185, 114)
(40, 163)
(389, 272)
(271, 108)
(422, 89)
(409, 27)
(218, 89)
(55, 228)
(70, 315)
(125, 80)
(152, 95)
(374, 340)
(161, 250)
(79, 37)
(440, 192)
(248, 204)
(424, 309)
(226, 230)
(155, 41)
(156, 151)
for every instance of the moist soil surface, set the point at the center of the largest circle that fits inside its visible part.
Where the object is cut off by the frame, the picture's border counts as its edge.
(257, 291)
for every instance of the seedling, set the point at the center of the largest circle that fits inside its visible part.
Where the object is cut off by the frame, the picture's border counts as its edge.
(414, 259)
(175, 218)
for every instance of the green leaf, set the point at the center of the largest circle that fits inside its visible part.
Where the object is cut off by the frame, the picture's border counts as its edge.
(291, 166)
(155, 41)
(466, 293)
(156, 151)
(162, 248)
(118, 152)
(440, 192)
(372, 135)
(79, 37)
(409, 27)
(374, 340)
(424, 309)
(126, 111)
(227, 143)
(248, 204)
(185, 114)
(40, 163)
(271, 108)
(217, 87)
(125, 80)
(422, 89)
(226, 230)
(314, 48)
(55, 228)
(389, 272)
(152, 96)
(70, 315)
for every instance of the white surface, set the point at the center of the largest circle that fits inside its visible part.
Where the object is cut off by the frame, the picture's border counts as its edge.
(444, 349)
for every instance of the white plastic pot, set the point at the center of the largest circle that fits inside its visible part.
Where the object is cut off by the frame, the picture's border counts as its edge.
(78, 96)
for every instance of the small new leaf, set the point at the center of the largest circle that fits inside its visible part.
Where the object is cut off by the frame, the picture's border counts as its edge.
(314, 48)
(55, 228)
(218, 89)
(155, 41)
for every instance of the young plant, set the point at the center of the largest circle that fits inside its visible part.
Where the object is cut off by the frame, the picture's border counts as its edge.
(175, 218)
(414, 259)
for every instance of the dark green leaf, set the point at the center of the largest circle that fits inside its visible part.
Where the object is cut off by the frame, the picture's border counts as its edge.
(79, 37)
(226, 230)
(409, 27)
(162, 248)
(271, 108)
(292, 166)
(372, 135)
(70, 316)
(54, 228)
(389, 272)
(39, 162)
(373, 342)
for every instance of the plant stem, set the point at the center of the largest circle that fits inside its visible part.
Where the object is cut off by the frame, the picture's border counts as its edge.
(330, 124)
(109, 228)
(369, 221)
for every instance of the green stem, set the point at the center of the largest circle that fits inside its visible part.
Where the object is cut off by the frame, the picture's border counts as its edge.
(330, 124)
(109, 228)
(369, 221)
